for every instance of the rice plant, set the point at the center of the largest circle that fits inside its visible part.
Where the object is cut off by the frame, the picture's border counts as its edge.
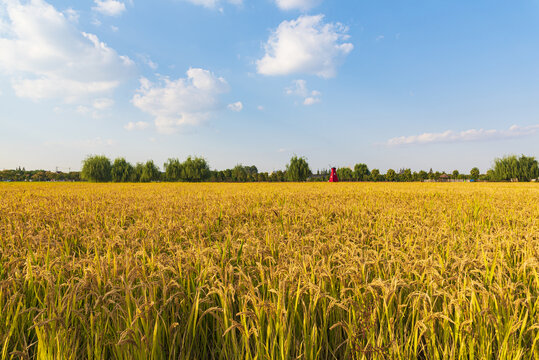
(269, 271)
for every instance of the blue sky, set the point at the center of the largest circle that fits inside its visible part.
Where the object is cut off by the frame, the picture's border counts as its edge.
(394, 84)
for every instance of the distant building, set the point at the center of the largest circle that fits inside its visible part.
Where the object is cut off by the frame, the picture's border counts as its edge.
(443, 178)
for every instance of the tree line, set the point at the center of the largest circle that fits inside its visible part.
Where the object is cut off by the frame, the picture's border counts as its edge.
(99, 168)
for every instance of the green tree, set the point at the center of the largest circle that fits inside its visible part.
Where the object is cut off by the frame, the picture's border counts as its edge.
(195, 169)
(298, 169)
(474, 174)
(422, 175)
(345, 174)
(391, 175)
(150, 172)
(137, 172)
(240, 173)
(277, 176)
(407, 175)
(96, 168)
(375, 174)
(510, 167)
(121, 170)
(361, 172)
(173, 170)
(455, 174)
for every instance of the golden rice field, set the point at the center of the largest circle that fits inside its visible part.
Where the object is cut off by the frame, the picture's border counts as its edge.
(269, 271)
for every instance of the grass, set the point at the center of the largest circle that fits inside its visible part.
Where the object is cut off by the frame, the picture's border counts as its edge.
(269, 271)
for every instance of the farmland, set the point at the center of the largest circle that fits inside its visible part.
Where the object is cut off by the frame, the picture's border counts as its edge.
(269, 271)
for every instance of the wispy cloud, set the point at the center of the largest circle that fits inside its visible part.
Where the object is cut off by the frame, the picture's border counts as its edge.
(215, 4)
(237, 106)
(299, 88)
(297, 4)
(451, 136)
(139, 125)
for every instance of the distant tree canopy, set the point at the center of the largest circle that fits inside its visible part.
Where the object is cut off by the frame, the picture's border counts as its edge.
(150, 172)
(474, 174)
(510, 167)
(298, 169)
(173, 170)
(242, 173)
(375, 175)
(96, 168)
(345, 174)
(121, 170)
(195, 169)
(137, 172)
(361, 172)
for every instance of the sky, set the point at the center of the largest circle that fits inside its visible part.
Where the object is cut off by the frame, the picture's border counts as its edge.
(394, 84)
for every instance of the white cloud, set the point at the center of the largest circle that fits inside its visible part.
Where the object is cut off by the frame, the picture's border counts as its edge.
(139, 125)
(260, 108)
(72, 15)
(114, 28)
(215, 4)
(109, 7)
(96, 22)
(297, 4)
(45, 56)
(102, 104)
(451, 136)
(174, 103)
(306, 45)
(237, 106)
(83, 110)
(146, 60)
(299, 88)
(310, 101)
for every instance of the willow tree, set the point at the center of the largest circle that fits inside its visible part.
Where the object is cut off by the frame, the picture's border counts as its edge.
(121, 170)
(298, 169)
(96, 168)
(173, 170)
(150, 172)
(195, 169)
(510, 167)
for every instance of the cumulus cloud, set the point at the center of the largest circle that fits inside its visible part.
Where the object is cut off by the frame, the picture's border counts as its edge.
(215, 4)
(109, 7)
(237, 106)
(451, 136)
(305, 45)
(185, 101)
(45, 55)
(297, 4)
(299, 88)
(139, 125)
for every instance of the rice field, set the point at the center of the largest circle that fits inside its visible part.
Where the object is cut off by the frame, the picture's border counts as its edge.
(269, 271)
